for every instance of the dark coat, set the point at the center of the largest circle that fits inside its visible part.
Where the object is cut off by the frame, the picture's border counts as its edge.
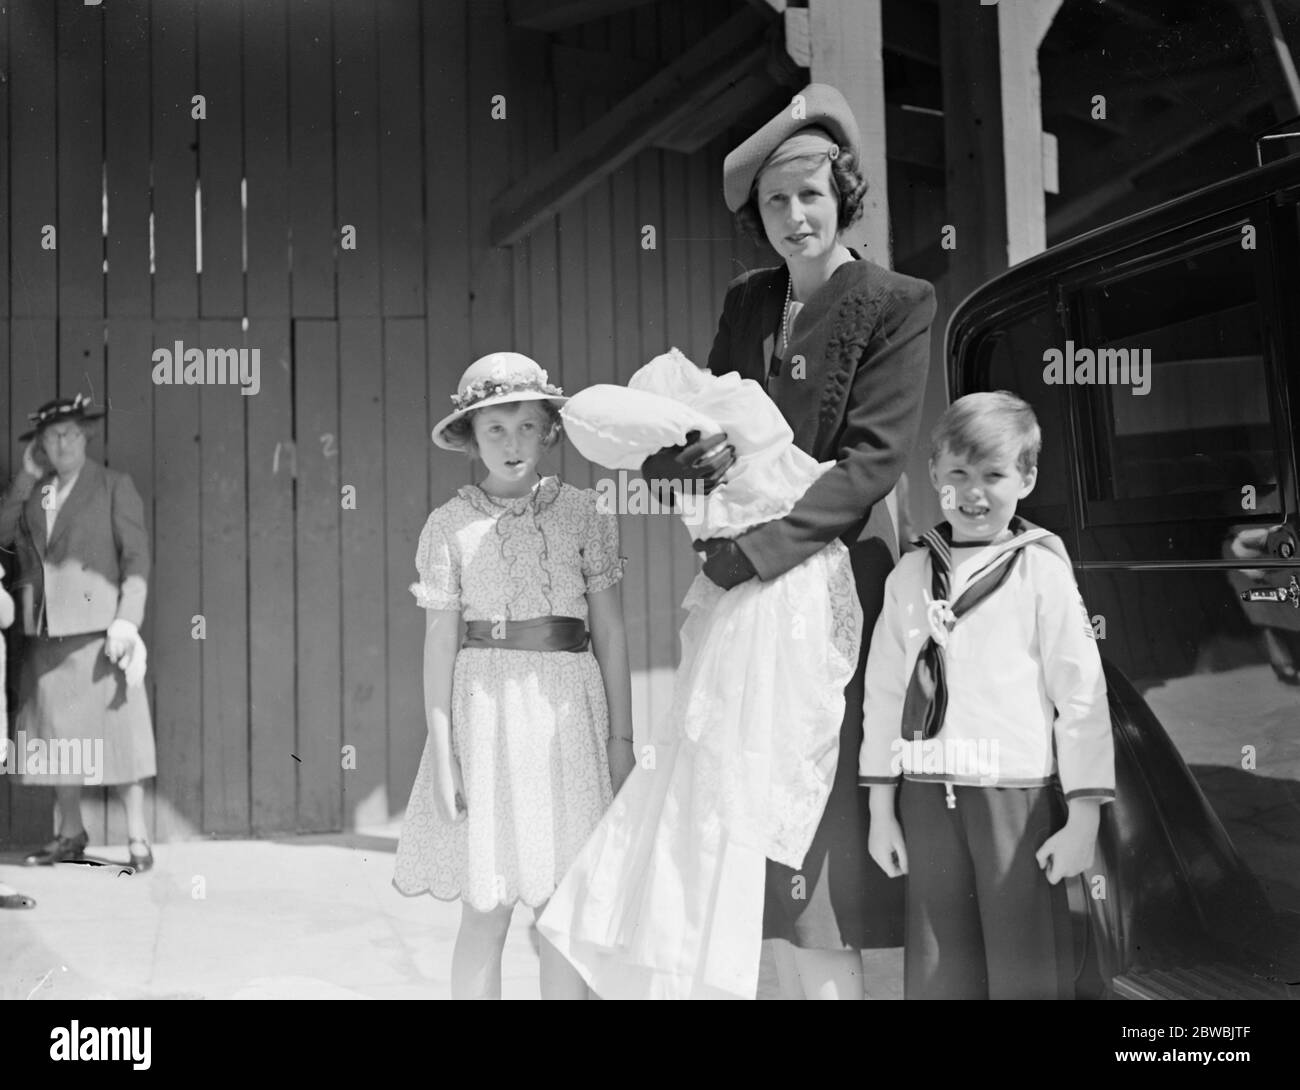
(94, 568)
(865, 340)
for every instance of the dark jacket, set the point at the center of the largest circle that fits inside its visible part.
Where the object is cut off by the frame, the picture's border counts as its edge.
(95, 567)
(864, 340)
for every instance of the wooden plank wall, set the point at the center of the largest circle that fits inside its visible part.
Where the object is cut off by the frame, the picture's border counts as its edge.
(280, 627)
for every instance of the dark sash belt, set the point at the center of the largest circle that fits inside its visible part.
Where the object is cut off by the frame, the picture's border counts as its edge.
(534, 634)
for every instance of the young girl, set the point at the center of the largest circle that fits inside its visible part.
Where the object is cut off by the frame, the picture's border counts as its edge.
(530, 715)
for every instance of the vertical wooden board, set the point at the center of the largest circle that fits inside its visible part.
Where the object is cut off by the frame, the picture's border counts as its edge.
(401, 157)
(271, 637)
(723, 231)
(542, 288)
(128, 289)
(677, 248)
(33, 354)
(660, 531)
(80, 161)
(223, 580)
(128, 444)
(446, 196)
(311, 158)
(406, 485)
(317, 576)
(520, 43)
(599, 272)
(4, 197)
(176, 656)
(571, 254)
(33, 188)
(175, 159)
(81, 370)
(356, 131)
(266, 158)
(491, 267)
(221, 161)
(365, 692)
(626, 235)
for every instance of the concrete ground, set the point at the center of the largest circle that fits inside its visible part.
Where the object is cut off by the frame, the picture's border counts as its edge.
(311, 917)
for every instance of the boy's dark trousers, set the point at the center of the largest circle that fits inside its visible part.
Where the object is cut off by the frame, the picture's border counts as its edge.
(983, 922)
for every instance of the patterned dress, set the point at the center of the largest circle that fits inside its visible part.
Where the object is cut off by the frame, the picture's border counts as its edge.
(528, 727)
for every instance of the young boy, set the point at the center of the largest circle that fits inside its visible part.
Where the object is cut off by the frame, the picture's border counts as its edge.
(984, 690)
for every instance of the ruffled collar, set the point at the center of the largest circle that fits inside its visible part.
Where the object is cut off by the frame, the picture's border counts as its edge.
(542, 495)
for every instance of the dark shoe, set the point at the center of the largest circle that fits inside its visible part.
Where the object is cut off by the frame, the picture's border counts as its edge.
(16, 900)
(141, 861)
(59, 850)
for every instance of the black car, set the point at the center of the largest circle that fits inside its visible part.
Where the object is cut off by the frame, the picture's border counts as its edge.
(1162, 356)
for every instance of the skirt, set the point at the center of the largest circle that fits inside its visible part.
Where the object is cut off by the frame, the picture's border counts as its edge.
(77, 718)
(530, 730)
(839, 899)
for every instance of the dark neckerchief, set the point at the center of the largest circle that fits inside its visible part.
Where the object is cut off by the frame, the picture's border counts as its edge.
(926, 702)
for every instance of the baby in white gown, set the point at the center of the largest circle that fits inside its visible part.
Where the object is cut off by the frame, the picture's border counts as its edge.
(666, 899)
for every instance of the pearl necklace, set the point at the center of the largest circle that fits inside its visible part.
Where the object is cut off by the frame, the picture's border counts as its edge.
(785, 316)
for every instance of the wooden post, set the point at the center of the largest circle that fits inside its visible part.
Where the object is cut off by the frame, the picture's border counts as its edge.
(1021, 28)
(846, 41)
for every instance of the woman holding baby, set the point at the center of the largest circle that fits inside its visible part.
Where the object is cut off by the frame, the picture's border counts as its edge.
(841, 347)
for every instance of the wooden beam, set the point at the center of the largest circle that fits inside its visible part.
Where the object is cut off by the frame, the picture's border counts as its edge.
(1021, 29)
(576, 71)
(976, 169)
(558, 14)
(722, 58)
(846, 39)
(727, 110)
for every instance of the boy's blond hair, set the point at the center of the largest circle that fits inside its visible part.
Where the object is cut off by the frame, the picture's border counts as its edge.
(986, 425)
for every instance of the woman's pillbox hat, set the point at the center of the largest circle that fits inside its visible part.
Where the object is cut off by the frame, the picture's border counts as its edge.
(817, 106)
(497, 379)
(61, 408)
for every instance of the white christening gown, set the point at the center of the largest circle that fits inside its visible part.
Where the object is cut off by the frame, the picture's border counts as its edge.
(666, 898)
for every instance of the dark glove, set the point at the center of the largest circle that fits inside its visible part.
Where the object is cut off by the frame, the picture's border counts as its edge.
(689, 463)
(726, 563)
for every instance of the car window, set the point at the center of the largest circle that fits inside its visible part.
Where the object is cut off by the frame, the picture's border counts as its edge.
(1188, 424)
(1011, 358)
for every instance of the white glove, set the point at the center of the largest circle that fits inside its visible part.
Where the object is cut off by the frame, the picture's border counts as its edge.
(121, 635)
(133, 663)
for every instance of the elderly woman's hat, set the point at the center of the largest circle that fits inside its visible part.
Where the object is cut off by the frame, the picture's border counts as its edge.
(497, 379)
(817, 106)
(61, 408)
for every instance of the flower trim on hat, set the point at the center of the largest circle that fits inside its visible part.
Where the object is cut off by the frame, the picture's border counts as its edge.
(60, 408)
(496, 387)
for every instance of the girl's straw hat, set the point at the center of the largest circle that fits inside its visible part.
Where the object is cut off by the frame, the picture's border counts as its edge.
(495, 380)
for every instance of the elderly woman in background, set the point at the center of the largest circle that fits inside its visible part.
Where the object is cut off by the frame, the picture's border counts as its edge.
(843, 348)
(83, 565)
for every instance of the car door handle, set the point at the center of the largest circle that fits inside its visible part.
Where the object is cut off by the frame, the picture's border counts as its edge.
(1289, 593)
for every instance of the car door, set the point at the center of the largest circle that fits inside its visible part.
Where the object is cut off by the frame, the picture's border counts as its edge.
(1187, 516)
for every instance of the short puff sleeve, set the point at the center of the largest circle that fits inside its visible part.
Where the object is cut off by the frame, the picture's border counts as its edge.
(438, 562)
(602, 567)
